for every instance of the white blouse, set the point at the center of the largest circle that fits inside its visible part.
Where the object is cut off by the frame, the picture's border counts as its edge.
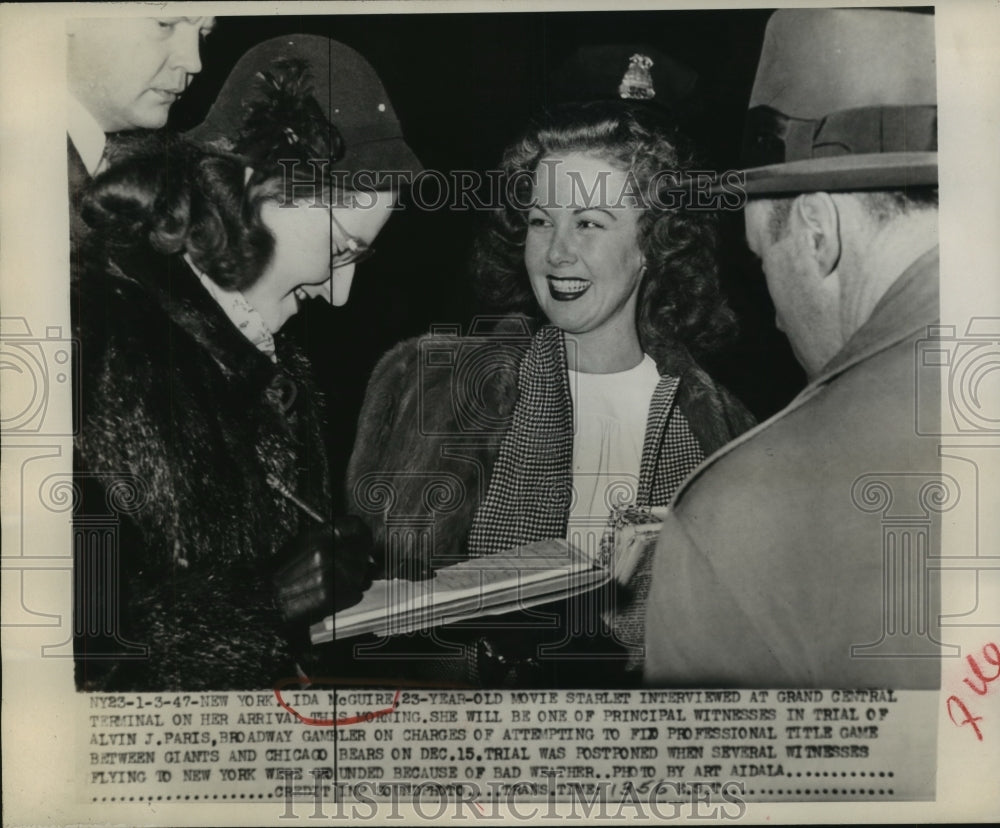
(609, 413)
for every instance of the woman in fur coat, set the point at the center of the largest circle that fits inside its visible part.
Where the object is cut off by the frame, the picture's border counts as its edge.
(599, 404)
(200, 433)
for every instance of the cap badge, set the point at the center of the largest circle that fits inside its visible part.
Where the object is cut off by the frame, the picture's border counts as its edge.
(637, 83)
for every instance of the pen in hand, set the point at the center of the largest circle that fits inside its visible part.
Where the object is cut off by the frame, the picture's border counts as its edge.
(331, 564)
(282, 489)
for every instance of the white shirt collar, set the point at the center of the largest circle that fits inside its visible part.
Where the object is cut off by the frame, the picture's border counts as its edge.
(85, 133)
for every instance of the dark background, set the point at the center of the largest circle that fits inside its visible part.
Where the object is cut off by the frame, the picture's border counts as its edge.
(463, 86)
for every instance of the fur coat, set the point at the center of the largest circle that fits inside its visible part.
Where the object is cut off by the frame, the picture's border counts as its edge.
(180, 421)
(814, 533)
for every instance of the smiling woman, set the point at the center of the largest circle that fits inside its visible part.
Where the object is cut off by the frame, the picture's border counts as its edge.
(629, 289)
(604, 406)
(583, 259)
(316, 250)
(611, 411)
(200, 249)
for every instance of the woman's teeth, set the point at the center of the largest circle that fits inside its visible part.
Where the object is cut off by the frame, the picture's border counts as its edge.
(564, 290)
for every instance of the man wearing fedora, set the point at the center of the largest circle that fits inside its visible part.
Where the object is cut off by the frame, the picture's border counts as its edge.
(774, 567)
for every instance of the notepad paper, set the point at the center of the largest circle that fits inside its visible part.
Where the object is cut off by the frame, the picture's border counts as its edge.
(520, 578)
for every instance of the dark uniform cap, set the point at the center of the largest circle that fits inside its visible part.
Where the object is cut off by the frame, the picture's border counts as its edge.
(307, 97)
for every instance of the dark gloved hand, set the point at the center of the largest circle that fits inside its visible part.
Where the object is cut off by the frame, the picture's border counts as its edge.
(352, 563)
(327, 570)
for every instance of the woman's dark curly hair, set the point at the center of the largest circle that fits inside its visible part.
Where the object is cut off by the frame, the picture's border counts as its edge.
(679, 296)
(168, 195)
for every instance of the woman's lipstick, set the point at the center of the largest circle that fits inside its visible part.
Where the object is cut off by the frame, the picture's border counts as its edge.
(564, 289)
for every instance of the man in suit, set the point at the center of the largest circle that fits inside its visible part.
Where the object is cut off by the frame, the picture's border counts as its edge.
(123, 74)
(776, 566)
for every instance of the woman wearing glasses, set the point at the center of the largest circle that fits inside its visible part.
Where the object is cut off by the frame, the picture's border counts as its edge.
(200, 430)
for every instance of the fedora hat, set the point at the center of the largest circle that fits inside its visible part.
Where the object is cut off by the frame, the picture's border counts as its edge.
(844, 99)
(306, 97)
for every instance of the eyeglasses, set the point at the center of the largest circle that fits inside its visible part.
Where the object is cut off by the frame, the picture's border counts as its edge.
(354, 250)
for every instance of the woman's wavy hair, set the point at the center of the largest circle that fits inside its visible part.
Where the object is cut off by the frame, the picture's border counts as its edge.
(166, 195)
(679, 296)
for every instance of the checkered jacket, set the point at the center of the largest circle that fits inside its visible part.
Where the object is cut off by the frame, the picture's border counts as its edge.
(531, 488)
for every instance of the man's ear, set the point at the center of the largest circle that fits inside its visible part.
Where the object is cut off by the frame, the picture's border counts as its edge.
(818, 217)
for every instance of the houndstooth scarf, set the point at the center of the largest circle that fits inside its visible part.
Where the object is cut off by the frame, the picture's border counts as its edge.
(531, 487)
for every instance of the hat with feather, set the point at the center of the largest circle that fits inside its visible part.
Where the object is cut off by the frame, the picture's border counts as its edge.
(844, 99)
(307, 98)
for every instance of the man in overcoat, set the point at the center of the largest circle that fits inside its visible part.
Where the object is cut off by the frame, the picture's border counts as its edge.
(779, 564)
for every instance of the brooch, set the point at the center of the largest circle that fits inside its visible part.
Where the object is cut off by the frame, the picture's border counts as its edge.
(637, 82)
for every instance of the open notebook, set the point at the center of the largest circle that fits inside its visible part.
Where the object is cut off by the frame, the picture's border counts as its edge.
(523, 577)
